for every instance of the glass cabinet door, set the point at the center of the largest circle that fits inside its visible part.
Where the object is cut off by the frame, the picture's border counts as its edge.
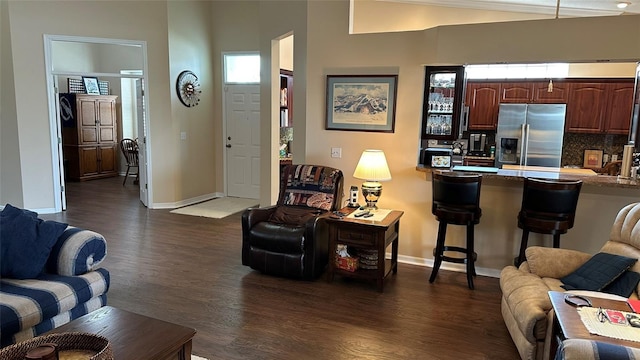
(442, 102)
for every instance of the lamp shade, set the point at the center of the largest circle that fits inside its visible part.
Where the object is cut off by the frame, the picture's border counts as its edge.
(372, 166)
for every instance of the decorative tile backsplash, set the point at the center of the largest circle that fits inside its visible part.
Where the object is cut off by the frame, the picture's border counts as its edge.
(574, 146)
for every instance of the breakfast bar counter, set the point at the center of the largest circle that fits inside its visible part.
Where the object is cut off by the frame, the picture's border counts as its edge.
(497, 236)
(518, 173)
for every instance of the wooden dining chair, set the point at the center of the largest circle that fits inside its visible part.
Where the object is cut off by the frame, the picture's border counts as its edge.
(129, 149)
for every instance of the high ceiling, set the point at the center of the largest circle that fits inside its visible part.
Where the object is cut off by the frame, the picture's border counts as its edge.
(571, 8)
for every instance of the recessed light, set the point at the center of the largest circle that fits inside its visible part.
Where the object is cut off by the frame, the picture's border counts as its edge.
(622, 5)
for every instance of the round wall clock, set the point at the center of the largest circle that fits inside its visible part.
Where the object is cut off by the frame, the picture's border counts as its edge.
(188, 88)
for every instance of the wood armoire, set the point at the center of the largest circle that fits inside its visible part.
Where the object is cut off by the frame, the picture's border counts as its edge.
(89, 135)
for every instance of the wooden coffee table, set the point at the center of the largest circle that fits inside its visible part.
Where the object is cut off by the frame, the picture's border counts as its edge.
(134, 336)
(567, 323)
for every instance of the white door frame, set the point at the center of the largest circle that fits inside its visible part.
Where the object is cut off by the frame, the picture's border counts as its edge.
(54, 119)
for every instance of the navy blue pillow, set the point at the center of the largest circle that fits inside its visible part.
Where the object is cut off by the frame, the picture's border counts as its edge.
(598, 272)
(624, 284)
(26, 242)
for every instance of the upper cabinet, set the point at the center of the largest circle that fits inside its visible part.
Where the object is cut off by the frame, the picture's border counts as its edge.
(600, 107)
(516, 92)
(596, 106)
(620, 106)
(586, 107)
(483, 100)
(539, 92)
(550, 92)
(286, 98)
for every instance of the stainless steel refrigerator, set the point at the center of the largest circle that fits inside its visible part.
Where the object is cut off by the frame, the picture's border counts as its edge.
(530, 134)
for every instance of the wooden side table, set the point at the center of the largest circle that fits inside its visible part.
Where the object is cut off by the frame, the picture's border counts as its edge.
(567, 323)
(366, 234)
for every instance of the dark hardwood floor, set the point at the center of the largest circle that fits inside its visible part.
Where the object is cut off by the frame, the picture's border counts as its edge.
(187, 270)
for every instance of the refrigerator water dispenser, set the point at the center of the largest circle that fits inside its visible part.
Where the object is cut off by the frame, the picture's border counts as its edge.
(509, 150)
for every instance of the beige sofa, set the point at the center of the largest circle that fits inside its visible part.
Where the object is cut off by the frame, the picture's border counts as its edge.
(525, 301)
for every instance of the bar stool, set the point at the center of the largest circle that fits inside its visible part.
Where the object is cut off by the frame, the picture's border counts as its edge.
(456, 201)
(548, 207)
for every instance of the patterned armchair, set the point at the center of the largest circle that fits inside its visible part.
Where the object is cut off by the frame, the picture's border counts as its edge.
(291, 238)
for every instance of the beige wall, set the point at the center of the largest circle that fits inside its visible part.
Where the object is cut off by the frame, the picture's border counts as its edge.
(331, 50)
(10, 165)
(234, 27)
(286, 53)
(382, 16)
(190, 41)
(175, 173)
(279, 19)
(616, 70)
(322, 46)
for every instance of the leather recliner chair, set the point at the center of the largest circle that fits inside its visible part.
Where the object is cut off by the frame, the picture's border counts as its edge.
(291, 238)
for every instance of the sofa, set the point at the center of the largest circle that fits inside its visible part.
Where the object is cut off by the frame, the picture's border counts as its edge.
(581, 349)
(50, 274)
(526, 307)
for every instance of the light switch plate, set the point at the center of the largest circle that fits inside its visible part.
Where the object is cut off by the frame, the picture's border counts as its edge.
(336, 152)
(183, 135)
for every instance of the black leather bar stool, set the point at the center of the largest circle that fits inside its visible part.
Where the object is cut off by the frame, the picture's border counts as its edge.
(548, 207)
(456, 201)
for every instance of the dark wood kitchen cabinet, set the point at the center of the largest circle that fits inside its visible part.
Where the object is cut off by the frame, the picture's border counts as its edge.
(559, 93)
(483, 99)
(516, 92)
(600, 107)
(534, 92)
(586, 107)
(619, 107)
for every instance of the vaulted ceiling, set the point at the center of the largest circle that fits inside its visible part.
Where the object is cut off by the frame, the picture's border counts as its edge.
(565, 8)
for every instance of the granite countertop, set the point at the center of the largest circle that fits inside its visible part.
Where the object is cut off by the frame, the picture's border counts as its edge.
(519, 175)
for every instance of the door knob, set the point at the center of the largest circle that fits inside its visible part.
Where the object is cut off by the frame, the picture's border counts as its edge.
(228, 145)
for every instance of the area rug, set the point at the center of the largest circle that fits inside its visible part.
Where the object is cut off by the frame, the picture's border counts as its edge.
(217, 208)
(194, 357)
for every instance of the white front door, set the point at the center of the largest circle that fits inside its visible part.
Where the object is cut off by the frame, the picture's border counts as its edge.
(242, 140)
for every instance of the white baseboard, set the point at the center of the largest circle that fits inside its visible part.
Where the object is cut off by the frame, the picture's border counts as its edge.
(445, 265)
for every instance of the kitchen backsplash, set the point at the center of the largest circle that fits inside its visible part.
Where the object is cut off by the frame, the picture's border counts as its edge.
(574, 146)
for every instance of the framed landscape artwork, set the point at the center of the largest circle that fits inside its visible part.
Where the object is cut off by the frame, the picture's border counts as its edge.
(592, 159)
(361, 102)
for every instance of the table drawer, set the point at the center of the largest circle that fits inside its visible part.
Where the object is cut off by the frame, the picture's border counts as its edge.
(356, 237)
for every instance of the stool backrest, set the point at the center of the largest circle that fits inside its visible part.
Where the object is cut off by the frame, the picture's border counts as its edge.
(551, 199)
(457, 190)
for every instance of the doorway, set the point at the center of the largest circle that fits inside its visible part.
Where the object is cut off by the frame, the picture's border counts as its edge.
(242, 124)
(105, 59)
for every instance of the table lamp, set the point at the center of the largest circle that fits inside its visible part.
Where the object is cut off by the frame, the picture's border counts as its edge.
(372, 168)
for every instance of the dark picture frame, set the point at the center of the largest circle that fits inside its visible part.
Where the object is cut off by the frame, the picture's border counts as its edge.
(91, 85)
(361, 102)
(592, 159)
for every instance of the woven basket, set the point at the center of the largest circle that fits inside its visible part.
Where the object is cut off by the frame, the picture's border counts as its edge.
(63, 341)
